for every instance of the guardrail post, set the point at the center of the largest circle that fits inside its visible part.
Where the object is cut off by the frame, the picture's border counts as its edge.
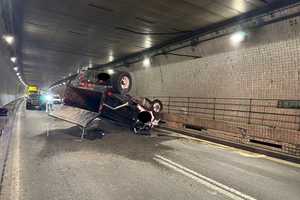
(214, 113)
(188, 106)
(250, 110)
(298, 122)
(169, 101)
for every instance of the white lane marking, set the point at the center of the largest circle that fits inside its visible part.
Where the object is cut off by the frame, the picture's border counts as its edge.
(15, 193)
(208, 182)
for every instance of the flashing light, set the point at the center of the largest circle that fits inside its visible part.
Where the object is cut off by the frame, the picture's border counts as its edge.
(47, 97)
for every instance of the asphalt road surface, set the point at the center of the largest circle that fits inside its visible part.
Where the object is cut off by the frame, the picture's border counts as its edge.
(123, 166)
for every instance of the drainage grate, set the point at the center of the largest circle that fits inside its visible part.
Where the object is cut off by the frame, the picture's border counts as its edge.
(279, 146)
(193, 127)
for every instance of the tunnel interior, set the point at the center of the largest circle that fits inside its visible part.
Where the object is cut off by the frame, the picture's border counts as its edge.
(227, 66)
(224, 74)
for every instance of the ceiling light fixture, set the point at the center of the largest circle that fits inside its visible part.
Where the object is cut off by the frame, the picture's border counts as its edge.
(238, 37)
(9, 39)
(148, 42)
(146, 62)
(16, 69)
(110, 71)
(18, 74)
(111, 58)
(13, 59)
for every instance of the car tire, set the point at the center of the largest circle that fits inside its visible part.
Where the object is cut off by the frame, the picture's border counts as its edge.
(122, 82)
(43, 107)
(28, 106)
(156, 106)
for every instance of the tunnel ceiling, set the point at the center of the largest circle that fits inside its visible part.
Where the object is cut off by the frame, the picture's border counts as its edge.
(60, 35)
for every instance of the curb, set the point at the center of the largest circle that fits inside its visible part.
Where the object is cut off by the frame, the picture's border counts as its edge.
(236, 145)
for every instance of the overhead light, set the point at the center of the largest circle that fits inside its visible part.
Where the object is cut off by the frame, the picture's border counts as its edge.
(110, 71)
(16, 69)
(13, 59)
(148, 42)
(111, 58)
(238, 37)
(18, 74)
(9, 39)
(146, 62)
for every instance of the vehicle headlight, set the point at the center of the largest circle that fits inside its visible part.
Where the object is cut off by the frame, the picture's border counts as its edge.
(46, 98)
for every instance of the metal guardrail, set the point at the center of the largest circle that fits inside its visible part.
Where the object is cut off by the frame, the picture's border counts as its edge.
(6, 123)
(264, 112)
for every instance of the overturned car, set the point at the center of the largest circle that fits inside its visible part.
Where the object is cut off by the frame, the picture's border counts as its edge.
(107, 94)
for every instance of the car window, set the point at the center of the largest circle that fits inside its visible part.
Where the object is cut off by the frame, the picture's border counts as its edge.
(34, 95)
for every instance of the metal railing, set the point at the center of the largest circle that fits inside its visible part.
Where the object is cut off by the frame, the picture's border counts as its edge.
(264, 112)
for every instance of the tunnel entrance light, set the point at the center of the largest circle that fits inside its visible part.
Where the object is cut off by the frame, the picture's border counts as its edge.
(146, 62)
(238, 37)
(13, 59)
(16, 69)
(9, 39)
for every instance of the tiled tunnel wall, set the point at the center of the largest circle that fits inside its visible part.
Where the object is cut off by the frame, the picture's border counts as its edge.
(265, 66)
(10, 87)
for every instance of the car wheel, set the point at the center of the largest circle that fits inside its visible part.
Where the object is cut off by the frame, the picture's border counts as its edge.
(28, 106)
(43, 107)
(156, 106)
(122, 82)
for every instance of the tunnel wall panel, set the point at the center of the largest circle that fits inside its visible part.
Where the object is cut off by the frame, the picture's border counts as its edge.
(266, 65)
(232, 83)
(10, 87)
